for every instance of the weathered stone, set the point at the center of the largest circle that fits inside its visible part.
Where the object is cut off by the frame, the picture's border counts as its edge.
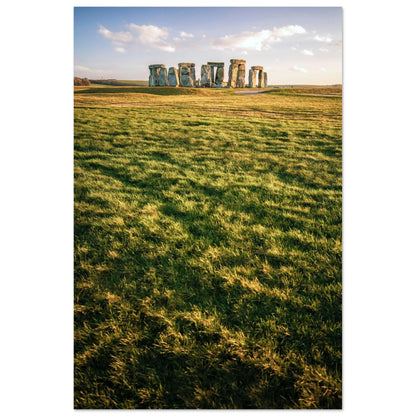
(219, 78)
(173, 77)
(257, 68)
(186, 74)
(252, 78)
(163, 77)
(192, 75)
(237, 61)
(218, 64)
(232, 75)
(185, 77)
(154, 74)
(261, 80)
(206, 79)
(241, 76)
(265, 79)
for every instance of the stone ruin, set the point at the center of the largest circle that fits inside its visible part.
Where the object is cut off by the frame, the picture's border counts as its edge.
(262, 77)
(212, 75)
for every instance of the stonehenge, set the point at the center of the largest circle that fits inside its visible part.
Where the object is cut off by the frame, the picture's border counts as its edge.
(173, 77)
(212, 75)
(186, 74)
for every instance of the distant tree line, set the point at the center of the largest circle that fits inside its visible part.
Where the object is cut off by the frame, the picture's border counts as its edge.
(81, 81)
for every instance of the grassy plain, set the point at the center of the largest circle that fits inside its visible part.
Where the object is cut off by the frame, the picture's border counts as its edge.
(207, 248)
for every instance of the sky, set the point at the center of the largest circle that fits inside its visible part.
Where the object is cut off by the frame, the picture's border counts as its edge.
(295, 45)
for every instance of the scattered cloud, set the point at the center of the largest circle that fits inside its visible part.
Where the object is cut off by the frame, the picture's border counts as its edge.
(244, 53)
(185, 35)
(258, 41)
(288, 31)
(148, 35)
(298, 69)
(323, 49)
(204, 36)
(324, 39)
(153, 36)
(117, 38)
(307, 52)
(323, 69)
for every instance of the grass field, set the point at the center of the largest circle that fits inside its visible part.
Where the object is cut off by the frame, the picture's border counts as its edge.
(207, 248)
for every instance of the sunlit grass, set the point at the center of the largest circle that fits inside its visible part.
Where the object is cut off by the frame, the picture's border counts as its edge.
(207, 249)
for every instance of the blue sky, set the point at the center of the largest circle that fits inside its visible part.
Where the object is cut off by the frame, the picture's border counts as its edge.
(296, 45)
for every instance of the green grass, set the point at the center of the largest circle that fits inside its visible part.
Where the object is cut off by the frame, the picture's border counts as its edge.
(207, 249)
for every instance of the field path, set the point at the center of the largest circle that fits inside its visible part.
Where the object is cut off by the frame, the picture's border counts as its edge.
(251, 92)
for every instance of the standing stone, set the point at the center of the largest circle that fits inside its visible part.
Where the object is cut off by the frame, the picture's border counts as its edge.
(261, 79)
(192, 76)
(163, 77)
(206, 79)
(219, 79)
(186, 74)
(252, 78)
(233, 71)
(155, 74)
(212, 73)
(241, 76)
(185, 77)
(173, 77)
(232, 75)
(151, 79)
(265, 79)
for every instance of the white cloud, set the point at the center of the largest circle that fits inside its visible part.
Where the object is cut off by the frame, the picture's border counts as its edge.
(323, 49)
(244, 53)
(258, 41)
(204, 36)
(117, 38)
(153, 36)
(323, 69)
(324, 39)
(185, 35)
(307, 52)
(298, 69)
(288, 31)
(148, 35)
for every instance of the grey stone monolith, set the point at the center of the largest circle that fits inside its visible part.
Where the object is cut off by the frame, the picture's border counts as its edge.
(186, 77)
(173, 77)
(163, 77)
(252, 78)
(232, 75)
(241, 76)
(219, 78)
(206, 79)
(261, 79)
